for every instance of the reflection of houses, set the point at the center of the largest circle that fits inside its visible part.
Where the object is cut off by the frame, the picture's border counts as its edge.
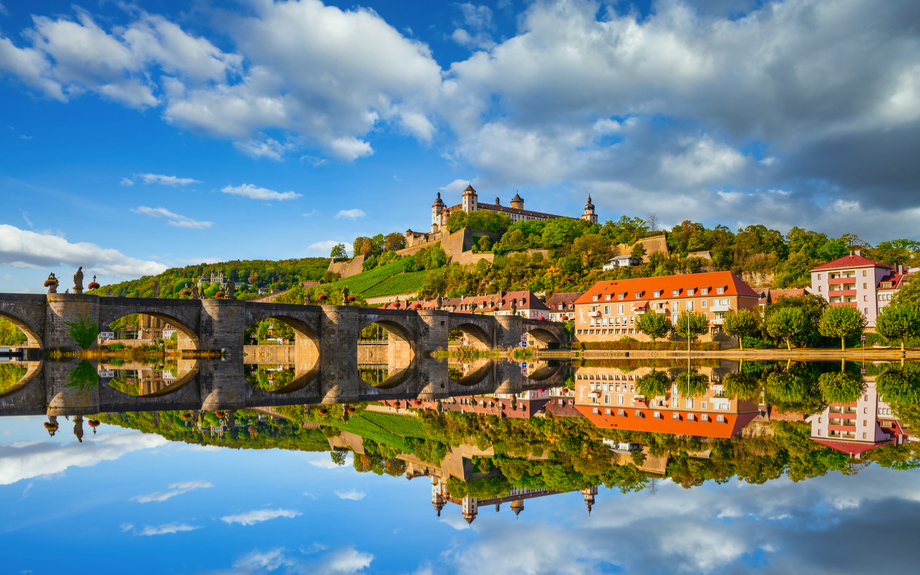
(612, 308)
(610, 399)
(151, 327)
(522, 405)
(855, 428)
(527, 304)
(516, 497)
(562, 305)
(151, 380)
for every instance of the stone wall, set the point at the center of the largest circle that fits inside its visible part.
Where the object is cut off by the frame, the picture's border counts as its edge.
(347, 269)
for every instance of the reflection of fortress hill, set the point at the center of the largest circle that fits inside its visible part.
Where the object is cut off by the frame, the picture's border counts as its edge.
(523, 405)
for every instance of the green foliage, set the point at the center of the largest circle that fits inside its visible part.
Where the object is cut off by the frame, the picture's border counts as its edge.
(484, 244)
(841, 322)
(812, 306)
(741, 323)
(10, 374)
(899, 321)
(654, 325)
(83, 377)
(691, 324)
(740, 385)
(10, 334)
(339, 252)
(83, 331)
(841, 387)
(786, 324)
(638, 252)
(653, 384)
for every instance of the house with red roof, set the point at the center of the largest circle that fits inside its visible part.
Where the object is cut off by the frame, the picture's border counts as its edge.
(610, 309)
(852, 281)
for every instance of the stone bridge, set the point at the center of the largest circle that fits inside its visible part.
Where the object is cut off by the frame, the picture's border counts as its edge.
(326, 340)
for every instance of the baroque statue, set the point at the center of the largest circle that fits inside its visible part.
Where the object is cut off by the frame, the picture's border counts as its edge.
(78, 281)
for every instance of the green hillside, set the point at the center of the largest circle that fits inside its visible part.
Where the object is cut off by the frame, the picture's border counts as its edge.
(277, 275)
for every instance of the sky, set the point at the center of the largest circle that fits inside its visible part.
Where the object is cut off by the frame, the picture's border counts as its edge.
(146, 135)
(123, 497)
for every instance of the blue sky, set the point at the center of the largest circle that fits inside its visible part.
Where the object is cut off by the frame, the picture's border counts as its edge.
(138, 136)
(122, 497)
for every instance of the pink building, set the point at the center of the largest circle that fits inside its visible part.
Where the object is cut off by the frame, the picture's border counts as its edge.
(891, 284)
(852, 281)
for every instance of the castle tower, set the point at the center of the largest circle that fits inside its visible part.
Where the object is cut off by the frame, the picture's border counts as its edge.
(436, 497)
(470, 199)
(589, 214)
(589, 494)
(470, 509)
(436, 208)
(517, 202)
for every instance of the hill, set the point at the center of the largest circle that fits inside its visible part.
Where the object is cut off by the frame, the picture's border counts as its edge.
(276, 275)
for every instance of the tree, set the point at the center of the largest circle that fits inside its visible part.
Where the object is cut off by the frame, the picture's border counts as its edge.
(842, 322)
(394, 242)
(593, 250)
(740, 385)
(653, 384)
(812, 306)
(653, 324)
(786, 324)
(741, 323)
(691, 324)
(841, 387)
(339, 457)
(485, 244)
(638, 251)
(338, 253)
(456, 221)
(899, 322)
(10, 334)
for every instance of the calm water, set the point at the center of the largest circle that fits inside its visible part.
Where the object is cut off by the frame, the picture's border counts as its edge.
(261, 491)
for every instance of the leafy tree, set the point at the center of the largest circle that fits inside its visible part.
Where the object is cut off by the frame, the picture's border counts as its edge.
(740, 324)
(339, 457)
(330, 277)
(909, 293)
(83, 331)
(487, 221)
(485, 244)
(653, 384)
(593, 250)
(564, 231)
(786, 324)
(899, 322)
(653, 324)
(638, 251)
(741, 385)
(691, 324)
(812, 306)
(456, 221)
(841, 387)
(338, 253)
(394, 242)
(359, 243)
(842, 322)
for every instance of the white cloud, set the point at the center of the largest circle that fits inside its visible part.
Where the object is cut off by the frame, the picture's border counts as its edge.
(166, 180)
(166, 529)
(352, 494)
(174, 218)
(346, 560)
(350, 214)
(23, 248)
(271, 149)
(257, 193)
(127, 182)
(325, 247)
(259, 515)
(324, 462)
(26, 460)
(126, 527)
(310, 213)
(8, 277)
(175, 489)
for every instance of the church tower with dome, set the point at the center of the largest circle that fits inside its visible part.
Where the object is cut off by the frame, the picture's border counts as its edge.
(589, 214)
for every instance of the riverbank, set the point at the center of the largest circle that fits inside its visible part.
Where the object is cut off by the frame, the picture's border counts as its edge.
(855, 354)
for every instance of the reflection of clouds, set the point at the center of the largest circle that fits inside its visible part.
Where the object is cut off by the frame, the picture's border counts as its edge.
(259, 515)
(352, 494)
(323, 461)
(778, 527)
(345, 560)
(175, 489)
(166, 529)
(27, 459)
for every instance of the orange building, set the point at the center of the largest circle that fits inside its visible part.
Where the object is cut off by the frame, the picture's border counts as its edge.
(612, 308)
(610, 399)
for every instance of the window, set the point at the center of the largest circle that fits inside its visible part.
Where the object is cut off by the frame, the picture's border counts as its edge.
(720, 418)
(657, 293)
(865, 298)
(864, 273)
(702, 405)
(638, 413)
(675, 306)
(639, 294)
(619, 309)
(621, 413)
(819, 276)
(720, 290)
(657, 415)
(864, 285)
(632, 320)
(865, 410)
(621, 295)
(864, 423)
(596, 411)
(703, 303)
(674, 318)
(595, 297)
(689, 403)
(864, 435)
(606, 412)
(704, 291)
(606, 310)
(607, 398)
(689, 306)
(691, 417)
(620, 399)
(704, 417)
(691, 291)
(819, 288)
(675, 292)
(632, 389)
(675, 402)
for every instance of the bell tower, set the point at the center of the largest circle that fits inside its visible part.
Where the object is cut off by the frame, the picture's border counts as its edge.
(436, 208)
(589, 214)
(470, 199)
(517, 202)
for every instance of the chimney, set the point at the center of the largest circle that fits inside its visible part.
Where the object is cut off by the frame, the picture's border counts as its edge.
(859, 252)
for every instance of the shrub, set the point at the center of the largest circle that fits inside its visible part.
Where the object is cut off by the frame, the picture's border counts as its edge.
(83, 331)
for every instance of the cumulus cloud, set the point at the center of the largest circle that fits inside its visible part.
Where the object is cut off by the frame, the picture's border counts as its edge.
(166, 529)
(127, 182)
(345, 560)
(259, 515)
(352, 494)
(324, 462)
(257, 193)
(350, 214)
(26, 460)
(174, 218)
(174, 490)
(165, 180)
(27, 249)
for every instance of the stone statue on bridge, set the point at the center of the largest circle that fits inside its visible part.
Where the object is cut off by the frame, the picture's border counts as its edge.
(78, 428)
(78, 281)
(440, 301)
(230, 290)
(345, 294)
(513, 307)
(195, 294)
(52, 283)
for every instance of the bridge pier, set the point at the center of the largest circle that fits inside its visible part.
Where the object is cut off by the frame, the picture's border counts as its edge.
(338, 354)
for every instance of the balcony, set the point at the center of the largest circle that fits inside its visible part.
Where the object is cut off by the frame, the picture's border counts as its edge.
(720, 308)
(845, 304)
(842, 292)
(594, 314)
(716, 321)
(840, 280)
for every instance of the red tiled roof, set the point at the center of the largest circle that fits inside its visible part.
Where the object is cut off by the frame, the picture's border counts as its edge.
(851, 261)
(733, 423)
(732, 283)
(850, 447)
(895, 279)
(564, 298)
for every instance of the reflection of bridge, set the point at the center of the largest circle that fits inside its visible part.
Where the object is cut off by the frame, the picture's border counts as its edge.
(326, 344)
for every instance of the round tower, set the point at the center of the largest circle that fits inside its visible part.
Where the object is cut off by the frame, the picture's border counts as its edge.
(517, 506)
(470, 199)
(436, 499)
(589, 494)
(436, 208)
(517, 202)
(470, 509)
(589, 214)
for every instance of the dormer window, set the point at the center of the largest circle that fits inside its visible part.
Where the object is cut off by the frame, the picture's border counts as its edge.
(639, 294)
(675, 292)
(704, 291)
(720, 290)
(607, 297)
(621, 295)
(595, 297)
(658, 293)
(691, 291)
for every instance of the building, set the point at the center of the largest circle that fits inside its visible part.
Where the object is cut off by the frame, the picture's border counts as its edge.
(767, 296)
(854, 428)
(469, 202)
(890, 284)
(524, 405)
(525, 304)
(621, 262)
(151, 327)
(562, 305)
(610, 399)
(851, 281)
(611, 308)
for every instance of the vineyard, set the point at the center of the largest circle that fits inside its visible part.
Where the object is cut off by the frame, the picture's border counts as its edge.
(385, 280)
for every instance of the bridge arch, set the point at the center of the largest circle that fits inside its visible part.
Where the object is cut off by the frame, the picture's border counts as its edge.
(478, 372)
(478, 330)
(305, 359)
(399, 353)
(32, 369)
(544, 336)
(108, 315)
(33, 339)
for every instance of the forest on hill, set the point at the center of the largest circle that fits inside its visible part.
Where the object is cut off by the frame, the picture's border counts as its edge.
(275, 275)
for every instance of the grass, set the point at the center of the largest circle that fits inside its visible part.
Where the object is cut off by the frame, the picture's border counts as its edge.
(409, 282)
(400, 425)
(390, 279)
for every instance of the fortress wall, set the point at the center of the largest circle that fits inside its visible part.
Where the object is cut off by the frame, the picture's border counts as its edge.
(347, 269)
